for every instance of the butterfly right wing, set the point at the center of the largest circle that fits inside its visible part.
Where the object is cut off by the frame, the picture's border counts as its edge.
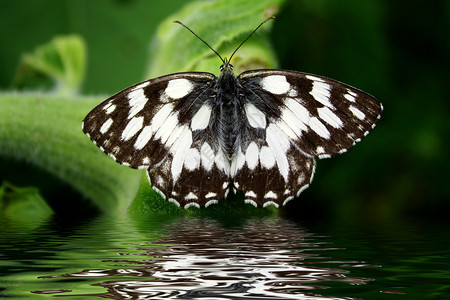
(291, 119)
(162, 125)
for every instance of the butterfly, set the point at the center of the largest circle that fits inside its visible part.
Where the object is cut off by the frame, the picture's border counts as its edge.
(200, 136)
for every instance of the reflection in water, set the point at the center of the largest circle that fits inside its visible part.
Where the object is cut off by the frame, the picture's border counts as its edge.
(199, 258)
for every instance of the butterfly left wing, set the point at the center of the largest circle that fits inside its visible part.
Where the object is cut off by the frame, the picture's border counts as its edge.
(293, 118)
(161, 125)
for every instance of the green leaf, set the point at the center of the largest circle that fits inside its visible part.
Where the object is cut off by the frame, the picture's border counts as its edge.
(224, 24)
(62, 61)
(45, 132)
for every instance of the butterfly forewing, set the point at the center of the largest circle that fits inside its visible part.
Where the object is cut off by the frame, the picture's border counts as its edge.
(139, 125)
(320, 116)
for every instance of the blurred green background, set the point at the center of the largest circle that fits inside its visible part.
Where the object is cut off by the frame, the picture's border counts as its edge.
(397, 51)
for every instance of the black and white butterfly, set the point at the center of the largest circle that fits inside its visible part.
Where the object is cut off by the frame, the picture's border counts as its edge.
(200, 136)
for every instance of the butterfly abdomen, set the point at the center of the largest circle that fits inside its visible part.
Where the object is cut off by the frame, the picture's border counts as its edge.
(229, 113)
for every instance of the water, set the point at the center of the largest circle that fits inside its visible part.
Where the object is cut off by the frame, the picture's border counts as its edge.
(119, 257)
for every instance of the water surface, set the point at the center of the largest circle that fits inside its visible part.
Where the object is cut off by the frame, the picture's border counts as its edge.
(203, 258)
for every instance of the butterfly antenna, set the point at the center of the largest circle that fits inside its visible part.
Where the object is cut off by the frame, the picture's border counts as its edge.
(270, 18)
(201, 39)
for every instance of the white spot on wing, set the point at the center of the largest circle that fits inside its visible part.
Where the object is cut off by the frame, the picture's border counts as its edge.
(270, 195)
(132, 128)
(180, 150)
(321, 92)
(276, 84)
(207, 156)
(109, 108)
(252, 156)
(201, 118)
(167, 128)
(143, 138)
(115, 150)
(192, 159)
(319, 128)
(255, 117)
(141, 85)
(293, 118)
(330, 117)
(105, 127)
(178, 88)
(237, 163)
(137, 102)
(278, 143)
(292, 93)
(250, 194)
(210, 195)
(174, 135)
(191, 196)
(350, 96)
(162, 114)
(266, 157)
(314, 78)
(222, 162)
(357, 113)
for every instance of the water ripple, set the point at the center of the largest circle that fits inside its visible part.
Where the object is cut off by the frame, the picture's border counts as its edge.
(199, 258)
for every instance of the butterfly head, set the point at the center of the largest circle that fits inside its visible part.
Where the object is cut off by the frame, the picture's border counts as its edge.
(226, 66)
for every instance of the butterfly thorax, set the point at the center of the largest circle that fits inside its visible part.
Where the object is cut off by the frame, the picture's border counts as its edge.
(228, 110)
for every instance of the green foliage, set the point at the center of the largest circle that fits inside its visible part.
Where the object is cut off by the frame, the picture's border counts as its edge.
(62, 60)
